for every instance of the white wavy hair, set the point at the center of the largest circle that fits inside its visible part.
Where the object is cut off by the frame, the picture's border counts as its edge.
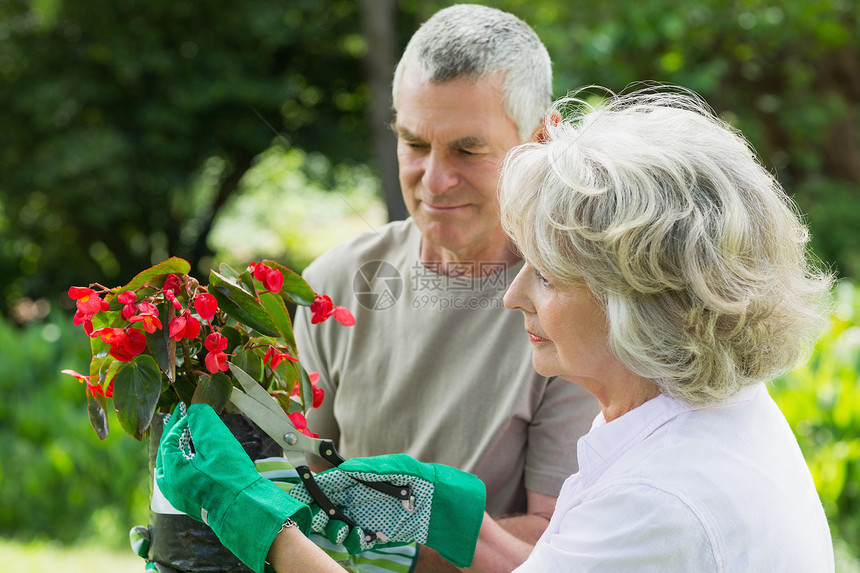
(473, 41)
(694, 250)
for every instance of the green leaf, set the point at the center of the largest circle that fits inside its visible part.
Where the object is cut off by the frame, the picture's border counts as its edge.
(243, 280)
(135, 394)
(251, 362)
(184, 389)
(277, 309)
(240, 305)
(236, 337)
(295, 288)
(171, 265)
(246, 283)
(99, 349)
(307, 391)
(213, 390)
(160, 347)
(228, 272)
(97, 415)
(99, 364)
(288, 403)
(167, 399)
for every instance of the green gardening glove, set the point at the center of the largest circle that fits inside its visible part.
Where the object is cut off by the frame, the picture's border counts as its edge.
(446, 514)
(202, 470)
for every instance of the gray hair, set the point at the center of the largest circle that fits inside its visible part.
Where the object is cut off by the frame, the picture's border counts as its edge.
(468, 40)
(664, 212)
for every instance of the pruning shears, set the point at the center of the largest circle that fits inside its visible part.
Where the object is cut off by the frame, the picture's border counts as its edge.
(256, 403)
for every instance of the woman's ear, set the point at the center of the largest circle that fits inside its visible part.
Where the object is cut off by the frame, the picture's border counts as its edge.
(540, 134)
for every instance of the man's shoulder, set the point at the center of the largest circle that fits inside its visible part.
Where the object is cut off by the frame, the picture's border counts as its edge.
(388, 243)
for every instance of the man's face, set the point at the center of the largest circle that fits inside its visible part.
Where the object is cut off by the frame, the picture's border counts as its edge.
(451, 138)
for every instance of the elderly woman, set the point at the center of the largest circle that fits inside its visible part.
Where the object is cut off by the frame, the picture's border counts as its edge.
(666, 272)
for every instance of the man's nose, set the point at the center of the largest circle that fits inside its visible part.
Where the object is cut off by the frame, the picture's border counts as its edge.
(439, 173)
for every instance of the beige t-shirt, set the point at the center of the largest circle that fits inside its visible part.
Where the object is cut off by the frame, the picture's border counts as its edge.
(436, 367)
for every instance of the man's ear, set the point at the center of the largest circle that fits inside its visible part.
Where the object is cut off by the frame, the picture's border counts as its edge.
(540, 134)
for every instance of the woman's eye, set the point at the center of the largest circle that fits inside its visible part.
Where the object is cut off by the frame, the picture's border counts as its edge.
(542, 279)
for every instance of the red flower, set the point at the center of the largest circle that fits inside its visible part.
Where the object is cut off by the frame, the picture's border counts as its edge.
(173, 300)
(274, 280)
(94, 387)
(184, 326)
(87, 301)
(172, 285)
(343, 316)
(301, 424)
(86, 320)
(318, 393)
(135, 341)
(127, 297)
(323, 308)
(147, 313)
(124, 344)
(259, 270)
(215, 342)
(271, 278)
(128, 311)
(276, 357)
(216, 361)
(206, 306)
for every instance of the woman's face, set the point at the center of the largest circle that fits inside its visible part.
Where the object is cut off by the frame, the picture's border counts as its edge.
(567, 328)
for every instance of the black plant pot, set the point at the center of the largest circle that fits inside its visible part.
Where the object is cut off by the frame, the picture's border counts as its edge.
(184, 544)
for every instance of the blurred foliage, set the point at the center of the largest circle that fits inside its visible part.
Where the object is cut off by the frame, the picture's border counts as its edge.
(821, 404)
(298, 206)
(59, 481)
(127, 125)
(785, 72)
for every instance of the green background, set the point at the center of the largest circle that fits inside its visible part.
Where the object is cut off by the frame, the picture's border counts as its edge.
(227, 131)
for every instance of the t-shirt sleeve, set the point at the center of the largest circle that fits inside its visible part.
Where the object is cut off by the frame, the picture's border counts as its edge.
(626, 528)
(564, 414)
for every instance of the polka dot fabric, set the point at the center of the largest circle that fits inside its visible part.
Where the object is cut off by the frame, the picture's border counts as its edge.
(371, 510)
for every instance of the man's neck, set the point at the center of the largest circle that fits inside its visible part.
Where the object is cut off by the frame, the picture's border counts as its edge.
(468, 261)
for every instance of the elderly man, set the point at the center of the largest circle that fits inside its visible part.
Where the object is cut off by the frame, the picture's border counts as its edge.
(435, 367)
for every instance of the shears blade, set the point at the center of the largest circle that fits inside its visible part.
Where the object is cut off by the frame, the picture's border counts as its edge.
(256, 403)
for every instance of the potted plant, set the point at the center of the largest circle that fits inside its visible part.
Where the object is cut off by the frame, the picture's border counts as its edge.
(164, 338)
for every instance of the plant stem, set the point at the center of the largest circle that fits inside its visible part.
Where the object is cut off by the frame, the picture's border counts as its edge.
(186, 355)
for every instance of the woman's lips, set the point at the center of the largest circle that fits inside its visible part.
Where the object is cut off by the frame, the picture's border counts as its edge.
(534, 338)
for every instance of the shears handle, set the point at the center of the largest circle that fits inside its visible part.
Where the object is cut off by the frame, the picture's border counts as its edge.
(404, 493)
(325, 503)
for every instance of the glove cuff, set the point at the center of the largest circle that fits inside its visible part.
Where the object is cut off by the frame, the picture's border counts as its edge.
(458, 505)
(249, 526)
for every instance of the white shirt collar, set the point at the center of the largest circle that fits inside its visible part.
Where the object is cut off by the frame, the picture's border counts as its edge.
(607, 441)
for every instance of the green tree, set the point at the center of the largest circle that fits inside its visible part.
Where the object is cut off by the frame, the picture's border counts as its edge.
(127, 125)
(785, 72)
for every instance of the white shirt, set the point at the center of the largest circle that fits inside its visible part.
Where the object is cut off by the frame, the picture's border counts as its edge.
(671, 487)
